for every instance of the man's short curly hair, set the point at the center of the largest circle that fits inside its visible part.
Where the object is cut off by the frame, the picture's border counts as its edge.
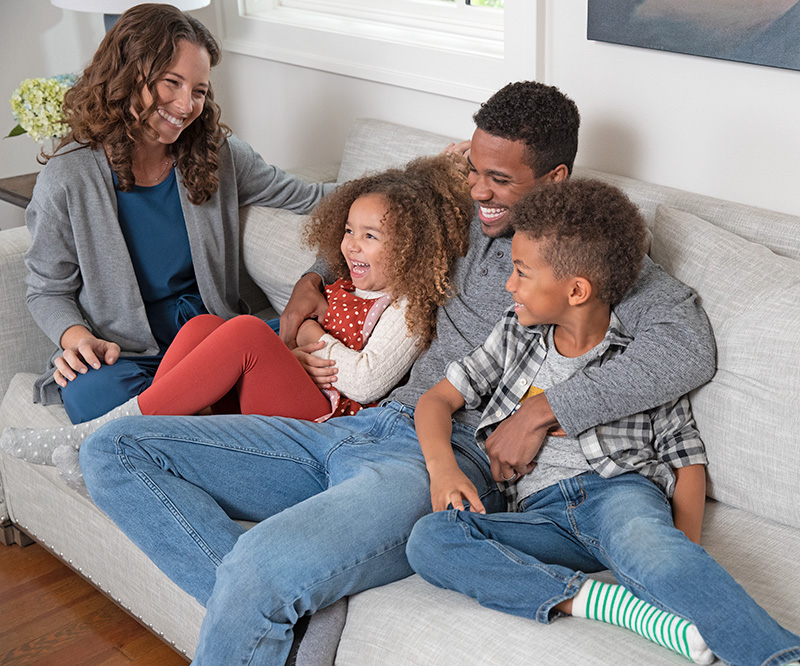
(426, 229)
(589, 229)
(540, 116)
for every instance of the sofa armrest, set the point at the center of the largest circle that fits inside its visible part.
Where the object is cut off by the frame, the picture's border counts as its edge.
(23, 346)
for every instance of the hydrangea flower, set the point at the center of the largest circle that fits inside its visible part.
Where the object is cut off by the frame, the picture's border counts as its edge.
(37, 107)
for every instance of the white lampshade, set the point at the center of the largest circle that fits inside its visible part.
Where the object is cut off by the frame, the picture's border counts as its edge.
(120, 6)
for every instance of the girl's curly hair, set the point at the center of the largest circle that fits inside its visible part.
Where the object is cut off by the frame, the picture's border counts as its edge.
(426, 229)
(101, 109)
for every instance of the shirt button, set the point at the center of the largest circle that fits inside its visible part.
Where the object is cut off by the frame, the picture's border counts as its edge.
(485, 271)
(500, 253)
(498, 413)
(522, 381)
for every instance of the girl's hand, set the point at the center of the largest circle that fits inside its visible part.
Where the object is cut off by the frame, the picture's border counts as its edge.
(308, 332)
(452, 486)
(321, 370)
(83, 353)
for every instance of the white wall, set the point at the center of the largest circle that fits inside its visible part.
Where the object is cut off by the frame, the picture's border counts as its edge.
(36, 39)
(295, 116)
(720, 128)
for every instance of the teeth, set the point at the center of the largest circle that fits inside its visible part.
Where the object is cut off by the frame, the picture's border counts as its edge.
(178, 122)
(492, 212)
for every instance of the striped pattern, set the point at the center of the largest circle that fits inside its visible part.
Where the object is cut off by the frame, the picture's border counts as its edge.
(615, 605)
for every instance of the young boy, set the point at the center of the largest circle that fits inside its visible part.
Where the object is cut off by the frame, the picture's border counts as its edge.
(602, 500)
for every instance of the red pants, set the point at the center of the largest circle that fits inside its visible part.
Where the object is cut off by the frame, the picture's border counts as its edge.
(239, 366)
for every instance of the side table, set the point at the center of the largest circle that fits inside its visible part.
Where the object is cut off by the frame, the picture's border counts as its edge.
(18, 190)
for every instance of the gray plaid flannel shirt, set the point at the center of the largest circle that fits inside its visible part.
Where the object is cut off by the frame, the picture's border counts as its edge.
(496, 375)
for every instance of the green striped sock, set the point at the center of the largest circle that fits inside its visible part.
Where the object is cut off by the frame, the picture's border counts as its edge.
(616, 605)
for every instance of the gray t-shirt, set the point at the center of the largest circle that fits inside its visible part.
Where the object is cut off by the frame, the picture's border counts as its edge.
(559, 457)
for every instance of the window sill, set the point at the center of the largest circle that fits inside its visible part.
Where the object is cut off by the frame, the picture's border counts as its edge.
(421, 59)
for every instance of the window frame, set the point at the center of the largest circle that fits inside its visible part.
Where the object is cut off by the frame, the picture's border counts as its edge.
(464, 66)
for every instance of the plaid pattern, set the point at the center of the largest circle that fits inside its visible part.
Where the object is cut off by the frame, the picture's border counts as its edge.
(496, 375)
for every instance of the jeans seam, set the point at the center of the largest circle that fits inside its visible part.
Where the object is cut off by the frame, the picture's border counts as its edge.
(502, 549)
(179, 518)
(332, 575)
(783, 657)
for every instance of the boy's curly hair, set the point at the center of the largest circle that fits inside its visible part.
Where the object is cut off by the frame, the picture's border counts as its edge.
(426, 228)
(590, 229)
(136, 53)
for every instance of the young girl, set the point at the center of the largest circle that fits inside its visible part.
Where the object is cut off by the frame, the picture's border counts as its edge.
(393, 238)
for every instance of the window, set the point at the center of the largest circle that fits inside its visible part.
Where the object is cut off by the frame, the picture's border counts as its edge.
(459, 48)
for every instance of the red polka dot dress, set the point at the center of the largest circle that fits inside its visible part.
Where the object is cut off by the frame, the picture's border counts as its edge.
(350, 319)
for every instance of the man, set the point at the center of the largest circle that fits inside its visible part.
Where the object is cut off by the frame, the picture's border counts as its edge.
(335, 502)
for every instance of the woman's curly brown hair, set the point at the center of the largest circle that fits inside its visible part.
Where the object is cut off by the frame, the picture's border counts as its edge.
(426, 228)
(101, 109)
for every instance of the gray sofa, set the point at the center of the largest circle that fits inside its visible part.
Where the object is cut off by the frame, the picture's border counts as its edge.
(745, 265)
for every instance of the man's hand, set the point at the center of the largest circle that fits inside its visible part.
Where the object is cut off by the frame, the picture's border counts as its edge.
(460, 148)
(515, 442)
(82, 350)
(306, 302)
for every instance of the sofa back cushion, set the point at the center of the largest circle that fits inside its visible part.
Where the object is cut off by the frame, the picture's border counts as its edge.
(375, 145)
(748, 415)
(777, 231)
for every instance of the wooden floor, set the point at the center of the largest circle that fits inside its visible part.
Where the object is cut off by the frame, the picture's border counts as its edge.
(50, 616)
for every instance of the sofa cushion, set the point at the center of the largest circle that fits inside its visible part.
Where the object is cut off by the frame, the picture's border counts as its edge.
(375, 145)
(412, 623)
(778, 231)
(748, 414)
(273, 252)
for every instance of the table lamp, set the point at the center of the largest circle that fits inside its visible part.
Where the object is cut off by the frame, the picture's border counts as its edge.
(111, 9)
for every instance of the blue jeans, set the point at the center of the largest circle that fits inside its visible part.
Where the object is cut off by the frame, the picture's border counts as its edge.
(526, 563)
(98, 391)
(334, 502)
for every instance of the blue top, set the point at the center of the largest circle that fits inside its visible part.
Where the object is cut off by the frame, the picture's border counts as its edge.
(154, 228)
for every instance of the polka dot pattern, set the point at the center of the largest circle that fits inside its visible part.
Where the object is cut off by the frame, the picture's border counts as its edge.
(350, 319)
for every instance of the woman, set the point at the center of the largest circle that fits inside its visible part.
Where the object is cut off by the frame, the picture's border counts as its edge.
(134, 221)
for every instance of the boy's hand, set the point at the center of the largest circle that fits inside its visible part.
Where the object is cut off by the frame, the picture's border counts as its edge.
(515, 442)
(453, 487)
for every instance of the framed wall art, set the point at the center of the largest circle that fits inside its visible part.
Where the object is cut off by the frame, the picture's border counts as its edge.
(762, 32)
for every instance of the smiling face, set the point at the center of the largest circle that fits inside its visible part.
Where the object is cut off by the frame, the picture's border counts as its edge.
(363, 242)
(181, 92)
(539, 298)
(499, 176)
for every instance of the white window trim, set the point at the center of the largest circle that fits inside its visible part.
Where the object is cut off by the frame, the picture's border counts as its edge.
(366, 51)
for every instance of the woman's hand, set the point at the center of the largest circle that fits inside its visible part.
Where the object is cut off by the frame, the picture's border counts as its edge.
(82, 350)
(451, 486)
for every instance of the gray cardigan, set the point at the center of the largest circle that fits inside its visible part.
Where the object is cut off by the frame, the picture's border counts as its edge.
(79, 269)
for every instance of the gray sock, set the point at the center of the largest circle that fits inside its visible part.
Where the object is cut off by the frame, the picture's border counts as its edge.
(65, 459)
(37, 445)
